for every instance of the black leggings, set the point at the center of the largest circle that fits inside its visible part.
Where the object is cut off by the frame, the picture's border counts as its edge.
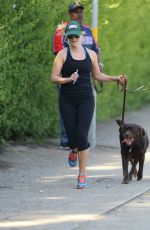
(77, 112)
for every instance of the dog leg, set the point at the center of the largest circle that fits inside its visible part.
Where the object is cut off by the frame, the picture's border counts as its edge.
(135, 172)
(141, 165)
(133, 169)
(125, 162)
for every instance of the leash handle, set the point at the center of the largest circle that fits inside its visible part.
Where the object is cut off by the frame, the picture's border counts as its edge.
(124, 89)
(120, 86)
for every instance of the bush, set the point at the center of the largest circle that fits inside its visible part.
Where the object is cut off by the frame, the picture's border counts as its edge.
(124, 39)
(28, 102)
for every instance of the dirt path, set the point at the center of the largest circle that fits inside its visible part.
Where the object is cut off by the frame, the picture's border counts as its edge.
(37, 189)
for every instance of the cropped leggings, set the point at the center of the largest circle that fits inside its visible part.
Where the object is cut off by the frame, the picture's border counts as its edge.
(77, 112)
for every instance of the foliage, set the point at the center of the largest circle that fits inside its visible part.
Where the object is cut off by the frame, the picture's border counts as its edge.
(124, 39)
(28, 102)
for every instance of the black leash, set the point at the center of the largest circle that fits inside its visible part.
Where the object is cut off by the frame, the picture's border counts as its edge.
(124, 89)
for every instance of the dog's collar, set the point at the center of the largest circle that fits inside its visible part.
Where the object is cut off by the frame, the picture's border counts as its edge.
(122, 125)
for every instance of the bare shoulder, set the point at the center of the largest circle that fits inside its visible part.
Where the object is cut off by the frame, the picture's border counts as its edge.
(61, 56)
(92, 54)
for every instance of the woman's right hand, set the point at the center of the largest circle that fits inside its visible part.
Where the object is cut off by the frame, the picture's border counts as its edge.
(74, 77)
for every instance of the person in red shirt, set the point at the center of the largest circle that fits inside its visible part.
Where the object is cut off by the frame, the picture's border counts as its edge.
(76, 12)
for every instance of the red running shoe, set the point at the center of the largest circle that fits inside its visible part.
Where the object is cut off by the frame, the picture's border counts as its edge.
(82, 182)
(72, 159)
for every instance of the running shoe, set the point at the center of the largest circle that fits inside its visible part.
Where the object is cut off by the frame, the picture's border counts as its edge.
(82, 182)
(72, 159)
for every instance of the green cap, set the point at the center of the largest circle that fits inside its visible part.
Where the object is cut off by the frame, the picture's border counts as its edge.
(73, 28)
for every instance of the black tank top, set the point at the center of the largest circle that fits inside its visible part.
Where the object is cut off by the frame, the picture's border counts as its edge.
(84, 67)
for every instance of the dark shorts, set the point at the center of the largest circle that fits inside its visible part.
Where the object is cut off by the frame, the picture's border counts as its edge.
(77, 110)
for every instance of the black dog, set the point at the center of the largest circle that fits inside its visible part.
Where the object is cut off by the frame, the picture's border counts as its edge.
(134, 143)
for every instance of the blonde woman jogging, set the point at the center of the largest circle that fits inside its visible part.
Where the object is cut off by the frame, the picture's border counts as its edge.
(72, 69)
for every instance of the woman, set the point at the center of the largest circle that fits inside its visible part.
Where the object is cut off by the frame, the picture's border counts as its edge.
(72, 69)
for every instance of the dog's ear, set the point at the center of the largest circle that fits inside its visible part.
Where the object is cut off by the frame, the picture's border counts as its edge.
(142, 131)
(120, 123)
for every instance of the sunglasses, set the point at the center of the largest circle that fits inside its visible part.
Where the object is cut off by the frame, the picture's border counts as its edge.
(72, 36)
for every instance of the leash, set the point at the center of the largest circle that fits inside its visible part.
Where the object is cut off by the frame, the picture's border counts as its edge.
(124, 89)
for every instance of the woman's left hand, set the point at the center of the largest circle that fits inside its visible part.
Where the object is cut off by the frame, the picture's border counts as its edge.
(122, 80)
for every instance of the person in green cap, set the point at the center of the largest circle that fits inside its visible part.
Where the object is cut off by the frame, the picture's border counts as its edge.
(72, 69)
(75, 13)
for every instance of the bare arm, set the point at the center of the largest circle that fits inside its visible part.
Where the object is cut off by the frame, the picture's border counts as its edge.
(101, 76)
(57, 67)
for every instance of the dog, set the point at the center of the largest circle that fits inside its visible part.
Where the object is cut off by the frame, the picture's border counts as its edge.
(134, 143)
